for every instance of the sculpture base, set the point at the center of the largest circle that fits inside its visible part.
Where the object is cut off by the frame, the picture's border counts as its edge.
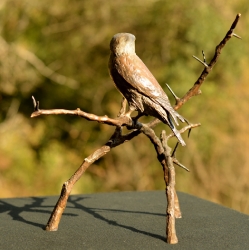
(121, 220)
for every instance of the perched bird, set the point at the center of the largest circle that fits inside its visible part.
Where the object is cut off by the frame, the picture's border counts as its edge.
(137, 84)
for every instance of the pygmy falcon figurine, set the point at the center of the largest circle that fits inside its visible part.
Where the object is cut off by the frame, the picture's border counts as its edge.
(137, 84)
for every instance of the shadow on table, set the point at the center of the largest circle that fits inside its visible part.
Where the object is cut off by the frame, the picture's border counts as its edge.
(95, 213)
(37, 206)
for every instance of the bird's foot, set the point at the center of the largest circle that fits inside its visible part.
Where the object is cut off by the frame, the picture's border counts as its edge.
(131, 122)
(126, 119)
(135, 124)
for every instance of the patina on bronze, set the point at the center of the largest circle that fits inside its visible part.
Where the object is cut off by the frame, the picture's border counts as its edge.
(137, 84)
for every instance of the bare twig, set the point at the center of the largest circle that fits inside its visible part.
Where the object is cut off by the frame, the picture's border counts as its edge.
(36, 105)
(120, 121)
(55, 217)
(171, 237)
(235, 35)
(195, 90)
(202, 62)
(149, 132)
(204, 58)
(177, 99)
(163, 155)
(172, 199)
(188, 127)
(115, 140)
(179, 164)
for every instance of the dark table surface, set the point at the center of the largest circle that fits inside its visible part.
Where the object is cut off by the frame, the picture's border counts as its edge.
(122, 220)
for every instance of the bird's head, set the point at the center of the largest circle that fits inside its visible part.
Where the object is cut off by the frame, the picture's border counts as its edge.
(123, 43)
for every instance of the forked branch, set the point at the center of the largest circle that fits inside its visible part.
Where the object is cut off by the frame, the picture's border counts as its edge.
(195, 90)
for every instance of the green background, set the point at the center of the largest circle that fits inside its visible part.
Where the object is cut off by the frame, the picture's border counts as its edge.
(58, 51)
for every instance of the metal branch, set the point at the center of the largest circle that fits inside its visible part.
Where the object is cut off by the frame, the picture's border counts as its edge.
(188, 127)
(120, 121)
(199, 60)
(36, 105)
(173, 156)
(204, 58)
(172, 92)
(174, 151)
(235, 35)
(115, 140)
(195, 90)
(171, 237)
(179, 164)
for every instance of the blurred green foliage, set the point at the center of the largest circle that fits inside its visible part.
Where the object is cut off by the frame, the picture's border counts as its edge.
(58, 52)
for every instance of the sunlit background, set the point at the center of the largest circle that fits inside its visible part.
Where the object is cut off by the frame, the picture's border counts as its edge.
(57, 50)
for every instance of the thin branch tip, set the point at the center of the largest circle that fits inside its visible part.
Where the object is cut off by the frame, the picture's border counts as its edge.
(202, 62)
(189, 132)
(180, 165)
(174, 151)
(203, 54)
(237, 36)
(172, 92)
(33, 100)
(36, 104)
(176, 162)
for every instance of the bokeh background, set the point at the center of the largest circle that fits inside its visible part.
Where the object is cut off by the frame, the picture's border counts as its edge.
(58, 50)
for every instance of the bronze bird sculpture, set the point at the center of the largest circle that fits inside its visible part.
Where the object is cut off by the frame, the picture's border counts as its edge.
(137, 84)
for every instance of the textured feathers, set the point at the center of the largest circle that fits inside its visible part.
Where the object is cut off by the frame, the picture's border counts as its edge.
(137, 84)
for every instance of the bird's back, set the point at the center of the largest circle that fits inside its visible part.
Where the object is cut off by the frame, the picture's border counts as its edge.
(137, 76)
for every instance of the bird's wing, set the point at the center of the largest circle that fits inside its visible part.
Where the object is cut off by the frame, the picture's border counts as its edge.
(135, 73)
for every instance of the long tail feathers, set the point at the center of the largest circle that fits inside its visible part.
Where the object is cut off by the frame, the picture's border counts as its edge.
(175, 115)
(175, 131)
(178, 136)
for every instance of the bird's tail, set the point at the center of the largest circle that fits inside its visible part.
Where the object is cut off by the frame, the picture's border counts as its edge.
(178, 136)
(175, 131)
(175, 115)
